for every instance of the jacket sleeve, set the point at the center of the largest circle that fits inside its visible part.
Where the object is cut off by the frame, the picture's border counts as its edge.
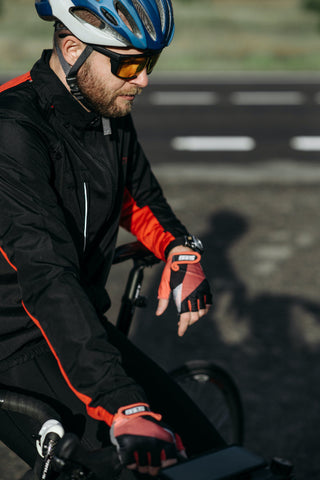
(145, 212)
(36, 243)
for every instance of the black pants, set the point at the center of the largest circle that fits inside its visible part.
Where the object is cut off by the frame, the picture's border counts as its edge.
(41, 377)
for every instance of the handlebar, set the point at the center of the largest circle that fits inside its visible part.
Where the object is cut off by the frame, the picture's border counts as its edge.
(29, 406)
(75, 462)
(71, 460)
(134, 251)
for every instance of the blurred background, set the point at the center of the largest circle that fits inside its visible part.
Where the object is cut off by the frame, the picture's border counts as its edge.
(231, 124)
(211, 35)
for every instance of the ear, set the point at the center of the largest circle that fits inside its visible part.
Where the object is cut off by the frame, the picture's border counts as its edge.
(71, 48)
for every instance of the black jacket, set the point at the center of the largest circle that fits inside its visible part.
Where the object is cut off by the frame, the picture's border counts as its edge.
(64, 188)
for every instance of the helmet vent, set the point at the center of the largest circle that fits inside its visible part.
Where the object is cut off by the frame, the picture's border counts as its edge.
(110, 18)
(85, 16)
(127, 18)
(161, 13)
(144, 17)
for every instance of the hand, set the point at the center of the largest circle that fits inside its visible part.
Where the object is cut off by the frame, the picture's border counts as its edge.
(184, 276)
(143, 442)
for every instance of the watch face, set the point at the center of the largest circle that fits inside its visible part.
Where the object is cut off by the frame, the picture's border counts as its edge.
(194, 243)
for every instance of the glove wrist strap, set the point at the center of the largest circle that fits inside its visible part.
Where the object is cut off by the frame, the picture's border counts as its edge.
(135, 410)
(183, 258)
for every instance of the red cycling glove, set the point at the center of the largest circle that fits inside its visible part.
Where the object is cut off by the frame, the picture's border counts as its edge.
(142, 439)
(183, 275)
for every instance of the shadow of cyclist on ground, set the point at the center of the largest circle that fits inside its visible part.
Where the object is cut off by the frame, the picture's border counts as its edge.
(229, 293)
(268, 341)
(237, 318)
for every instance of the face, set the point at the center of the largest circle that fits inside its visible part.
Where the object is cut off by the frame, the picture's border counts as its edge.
(109, 95)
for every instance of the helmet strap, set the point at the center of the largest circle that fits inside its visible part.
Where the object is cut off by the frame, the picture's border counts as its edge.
(71, 76)
(71, 73)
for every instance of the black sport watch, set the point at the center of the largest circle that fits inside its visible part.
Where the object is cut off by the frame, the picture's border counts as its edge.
(194, 243)
(190, 241)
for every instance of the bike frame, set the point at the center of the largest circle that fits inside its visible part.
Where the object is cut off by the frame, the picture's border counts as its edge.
(132, 298)
(229, 463)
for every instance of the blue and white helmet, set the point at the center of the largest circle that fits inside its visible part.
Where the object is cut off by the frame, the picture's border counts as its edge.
(140, 24)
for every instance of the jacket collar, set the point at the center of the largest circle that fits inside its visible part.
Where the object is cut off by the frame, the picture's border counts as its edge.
(53, 94)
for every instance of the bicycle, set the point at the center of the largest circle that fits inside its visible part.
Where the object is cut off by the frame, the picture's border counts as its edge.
(61, 456)
(209, 385)
(202, 380)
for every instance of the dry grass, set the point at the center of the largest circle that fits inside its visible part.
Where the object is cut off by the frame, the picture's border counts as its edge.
(211, 35)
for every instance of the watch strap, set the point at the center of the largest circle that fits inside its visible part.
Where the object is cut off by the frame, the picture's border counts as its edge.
(188, 240)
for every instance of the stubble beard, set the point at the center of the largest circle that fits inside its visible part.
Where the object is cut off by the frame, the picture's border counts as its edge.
(102, 100)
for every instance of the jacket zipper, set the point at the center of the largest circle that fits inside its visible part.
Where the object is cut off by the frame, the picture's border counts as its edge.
(85, 225)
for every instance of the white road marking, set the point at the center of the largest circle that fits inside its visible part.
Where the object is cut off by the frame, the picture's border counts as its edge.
(207, 144)
(183, 98)
(305, 143)
(267, 98)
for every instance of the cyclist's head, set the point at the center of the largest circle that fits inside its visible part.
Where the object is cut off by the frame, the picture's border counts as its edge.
(139, 24)
(142, 28)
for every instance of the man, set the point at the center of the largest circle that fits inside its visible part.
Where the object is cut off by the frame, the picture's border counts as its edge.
(71, 172)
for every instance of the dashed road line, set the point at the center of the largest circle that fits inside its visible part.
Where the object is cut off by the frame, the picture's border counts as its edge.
(213, 143)
(306, 143)
(240, 98)
(183, 98)
(267, 98)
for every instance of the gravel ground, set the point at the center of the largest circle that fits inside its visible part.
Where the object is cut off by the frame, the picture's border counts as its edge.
(262, 251)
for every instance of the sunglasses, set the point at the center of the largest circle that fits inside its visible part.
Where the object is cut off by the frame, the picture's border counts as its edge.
(127, 67)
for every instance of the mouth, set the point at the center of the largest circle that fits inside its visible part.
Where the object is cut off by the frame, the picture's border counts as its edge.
(128, 97)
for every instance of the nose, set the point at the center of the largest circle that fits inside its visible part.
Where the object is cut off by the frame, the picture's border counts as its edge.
(141, 80)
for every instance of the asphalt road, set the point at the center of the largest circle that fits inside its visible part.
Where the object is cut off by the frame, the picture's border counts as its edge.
(242, 119)
(257, 212)
(236, 118)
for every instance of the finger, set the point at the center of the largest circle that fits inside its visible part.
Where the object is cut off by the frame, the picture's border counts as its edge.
(153, 471)
(169, 462)
(203, 307)
(183, 323)
(162, 306)
(203, 304)
(144, 469)
(193, 304)
(187, 319)
(194, 317)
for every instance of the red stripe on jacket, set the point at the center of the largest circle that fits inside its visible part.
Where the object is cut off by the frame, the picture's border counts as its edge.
(15, 81)
(98, 413)
(142, 223)
(7, 259)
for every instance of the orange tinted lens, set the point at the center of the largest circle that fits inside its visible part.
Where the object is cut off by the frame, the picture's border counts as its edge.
(131, 67)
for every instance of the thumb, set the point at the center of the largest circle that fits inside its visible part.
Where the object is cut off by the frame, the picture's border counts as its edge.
(162, 306)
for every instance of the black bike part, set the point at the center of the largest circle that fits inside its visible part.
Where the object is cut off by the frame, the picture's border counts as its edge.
(27, 405)
(134, 251)
(230, 463)
(216, 394)
(130, 299)
(142, 257)
(41, 413)
(73, 461)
